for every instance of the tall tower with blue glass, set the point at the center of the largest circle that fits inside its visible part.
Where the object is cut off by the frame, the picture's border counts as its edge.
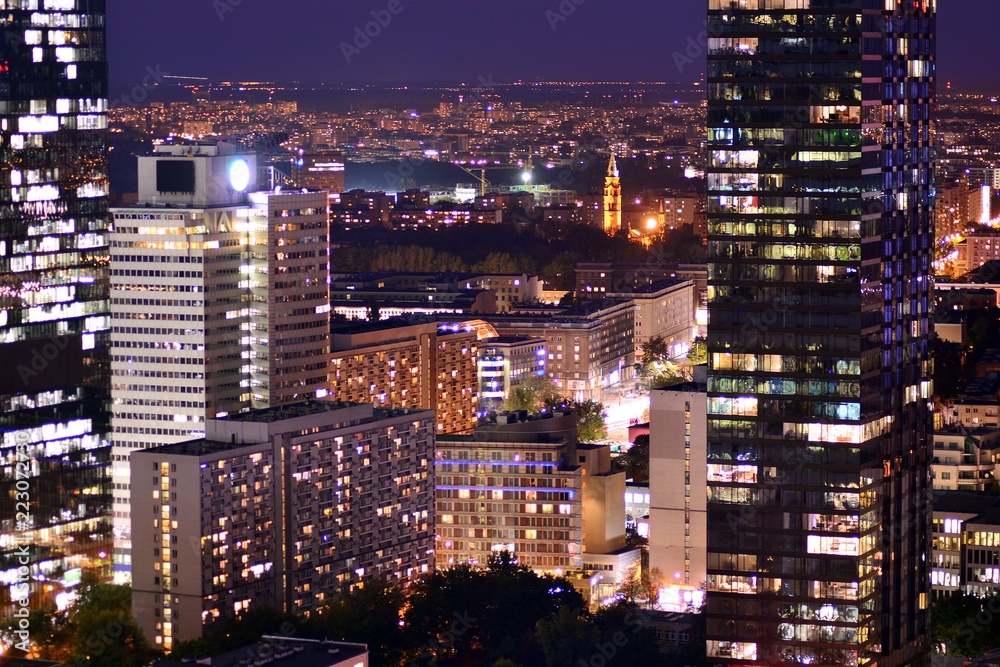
(54, 311)
(820, 237)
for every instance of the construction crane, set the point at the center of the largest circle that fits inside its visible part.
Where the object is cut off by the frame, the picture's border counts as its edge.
(481, 175)
(480, 178)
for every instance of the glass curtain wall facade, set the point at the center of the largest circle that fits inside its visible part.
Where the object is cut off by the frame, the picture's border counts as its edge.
(820, 237)
(54, 318)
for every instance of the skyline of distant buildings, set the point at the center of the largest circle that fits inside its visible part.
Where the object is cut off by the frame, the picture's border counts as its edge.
(204, 406)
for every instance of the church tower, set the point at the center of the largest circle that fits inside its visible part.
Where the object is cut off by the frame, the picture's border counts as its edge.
(612, 200)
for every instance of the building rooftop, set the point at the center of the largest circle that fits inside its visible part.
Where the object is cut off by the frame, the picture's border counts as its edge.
(522, 428)
(206, 446)
(986, 386)
(964, 502)
(511, 340)
(290, 411)
(283, 652)
(365, 326)
(965, 431)
(989, 517)
(654, 287)
(949, 316)
(589, 308)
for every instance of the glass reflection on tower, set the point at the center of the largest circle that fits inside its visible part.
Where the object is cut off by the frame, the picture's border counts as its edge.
(54, 374)
(820, 236)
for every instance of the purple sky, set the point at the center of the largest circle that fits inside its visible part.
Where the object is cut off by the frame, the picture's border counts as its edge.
(453, 40)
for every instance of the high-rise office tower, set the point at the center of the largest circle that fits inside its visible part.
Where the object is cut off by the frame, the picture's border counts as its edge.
(219, 303)
(54, 322)
(820, 239)
(177, 307)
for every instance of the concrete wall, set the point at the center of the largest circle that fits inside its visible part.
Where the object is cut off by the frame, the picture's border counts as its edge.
(677, 484)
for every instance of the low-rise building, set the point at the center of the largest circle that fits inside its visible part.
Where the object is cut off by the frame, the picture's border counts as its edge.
(595, 280)
(590, 346)
(982, 554)
(965, 459)
(283, 508)
(515, 487)
(525, 485)
(504, 363)
(281, 651)
(664, 309)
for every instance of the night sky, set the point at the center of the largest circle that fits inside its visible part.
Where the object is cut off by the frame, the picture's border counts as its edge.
(462, 40)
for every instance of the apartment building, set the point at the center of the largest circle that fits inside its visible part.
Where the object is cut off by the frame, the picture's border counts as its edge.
(281, 507)
(409, 364)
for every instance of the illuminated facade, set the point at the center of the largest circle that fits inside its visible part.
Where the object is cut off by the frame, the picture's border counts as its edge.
(677, 516)
(612, 199)
(288, 273)
(54, 321)
(320, 170)
(590, 346)
(505, 363)
(512, 487)
(961, 524)
(176, 303)
(396, 363)
(820, 237)
(219, 303)
(284, 508)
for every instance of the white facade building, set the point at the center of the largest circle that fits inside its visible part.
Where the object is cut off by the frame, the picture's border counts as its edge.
(677, 488)
(191, 295)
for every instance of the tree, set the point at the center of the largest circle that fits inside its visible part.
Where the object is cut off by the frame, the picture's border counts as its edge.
(463, 615)
(497, 262)
(369, 615)
(103, 630)
(231, 633)
(566, 638)
(560, 273)
(633, 540)
(699, 351)
(623, 621)
(590, 425)
(49, 631)
(965, 626)
(657, 369)
(533, 394)
(635, 461)
(653, 350)
(642, 585)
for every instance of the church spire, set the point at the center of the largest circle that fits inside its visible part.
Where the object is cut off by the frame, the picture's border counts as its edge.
(612, 199)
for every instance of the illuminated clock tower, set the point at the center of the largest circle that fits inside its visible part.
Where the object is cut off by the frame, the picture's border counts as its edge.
(612, 199)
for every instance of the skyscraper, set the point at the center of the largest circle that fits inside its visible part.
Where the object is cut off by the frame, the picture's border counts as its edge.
(54, 322)
(219, 303)
(820, 238)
